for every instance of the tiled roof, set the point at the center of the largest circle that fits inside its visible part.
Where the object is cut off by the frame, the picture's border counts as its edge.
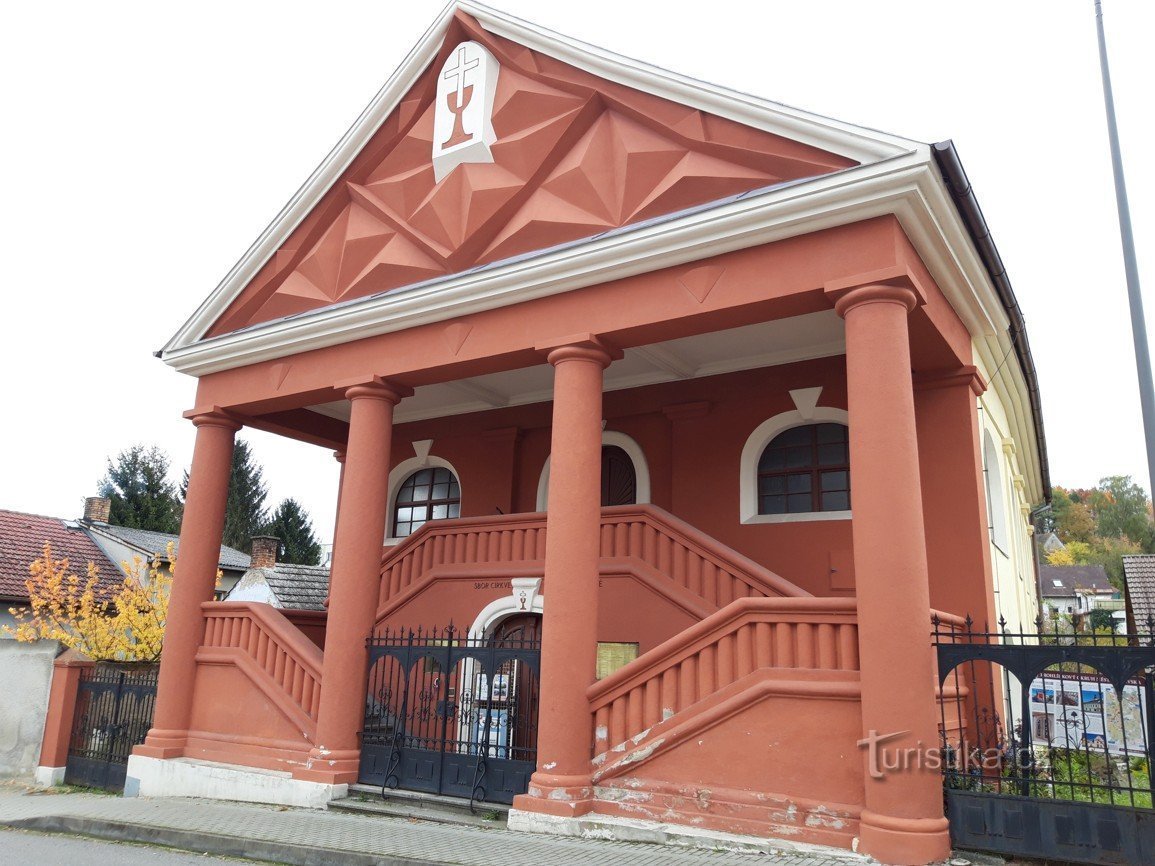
(1139, 573)
(297, 587)
(156, 544)
(22, 538)
(1062, 581)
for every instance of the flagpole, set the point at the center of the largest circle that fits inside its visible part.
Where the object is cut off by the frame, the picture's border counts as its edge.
(1138, 324)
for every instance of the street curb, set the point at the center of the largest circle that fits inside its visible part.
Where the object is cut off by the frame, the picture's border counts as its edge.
(210, 843)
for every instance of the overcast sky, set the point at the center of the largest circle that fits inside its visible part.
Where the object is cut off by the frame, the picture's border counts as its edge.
(146, 145)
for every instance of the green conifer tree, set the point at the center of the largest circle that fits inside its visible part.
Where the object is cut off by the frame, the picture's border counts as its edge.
(292, 526)
(142, 497)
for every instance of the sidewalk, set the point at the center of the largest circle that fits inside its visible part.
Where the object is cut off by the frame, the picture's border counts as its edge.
(318, 838)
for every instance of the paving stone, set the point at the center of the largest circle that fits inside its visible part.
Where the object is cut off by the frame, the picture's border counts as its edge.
(379, 835)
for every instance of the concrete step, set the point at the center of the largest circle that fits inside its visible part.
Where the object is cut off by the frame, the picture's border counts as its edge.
(367, 800)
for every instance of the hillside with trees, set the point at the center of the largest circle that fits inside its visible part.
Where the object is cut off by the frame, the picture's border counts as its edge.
(1101, 525)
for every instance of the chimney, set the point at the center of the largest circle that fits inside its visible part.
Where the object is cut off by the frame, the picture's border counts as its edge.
(96, 509)
(264, 551)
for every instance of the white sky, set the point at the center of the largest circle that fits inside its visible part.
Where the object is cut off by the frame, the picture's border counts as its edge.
(146, 145)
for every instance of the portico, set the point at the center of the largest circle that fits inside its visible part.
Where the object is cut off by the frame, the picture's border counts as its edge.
(782, 320)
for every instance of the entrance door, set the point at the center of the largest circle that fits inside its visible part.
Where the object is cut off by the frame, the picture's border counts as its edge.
(619, 481)
(454, 715)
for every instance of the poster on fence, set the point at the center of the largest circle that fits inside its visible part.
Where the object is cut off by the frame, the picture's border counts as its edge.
(1083, 711)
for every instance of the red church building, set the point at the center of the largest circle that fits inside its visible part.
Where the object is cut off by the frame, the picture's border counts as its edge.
(666, 416)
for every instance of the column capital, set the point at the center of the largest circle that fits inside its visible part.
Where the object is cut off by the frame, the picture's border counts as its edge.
(873, 293)
(893, 285)
(373, 388)
(968, 376)
(213, 416)
(580, 347)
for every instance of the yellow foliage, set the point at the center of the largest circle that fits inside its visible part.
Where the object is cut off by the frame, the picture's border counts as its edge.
(123, 625)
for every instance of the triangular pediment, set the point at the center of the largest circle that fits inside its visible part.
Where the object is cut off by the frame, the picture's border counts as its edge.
(581, 143)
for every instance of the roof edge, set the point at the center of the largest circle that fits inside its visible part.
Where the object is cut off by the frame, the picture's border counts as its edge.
(962, 193)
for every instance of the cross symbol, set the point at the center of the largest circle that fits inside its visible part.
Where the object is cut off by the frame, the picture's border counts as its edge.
(459, 70)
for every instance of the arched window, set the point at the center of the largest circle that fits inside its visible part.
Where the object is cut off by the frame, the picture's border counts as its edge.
(805, 469)
(427, 494)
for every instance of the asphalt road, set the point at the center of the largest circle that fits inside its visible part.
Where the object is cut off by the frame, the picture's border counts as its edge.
(18, 848)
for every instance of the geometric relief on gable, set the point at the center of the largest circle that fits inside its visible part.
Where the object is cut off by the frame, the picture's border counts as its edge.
(573, 156)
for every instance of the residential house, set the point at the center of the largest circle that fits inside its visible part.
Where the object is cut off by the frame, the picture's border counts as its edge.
(26, 668)
(123, 544)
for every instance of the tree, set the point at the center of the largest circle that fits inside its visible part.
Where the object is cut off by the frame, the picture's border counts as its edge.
(125, 623)
(1100, 618)
(245, 513)
(292, 526)
(1122, 510)
(141, 495)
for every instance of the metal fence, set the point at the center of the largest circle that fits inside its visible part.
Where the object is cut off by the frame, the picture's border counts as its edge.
(1046, 741)
(114, 706)
(449, 714)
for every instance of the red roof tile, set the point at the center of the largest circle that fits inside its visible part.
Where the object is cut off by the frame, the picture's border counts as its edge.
(22, 538)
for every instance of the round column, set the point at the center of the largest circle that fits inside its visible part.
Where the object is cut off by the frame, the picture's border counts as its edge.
(561, 785)
(196, 577)
(903, 820)
(353, 584)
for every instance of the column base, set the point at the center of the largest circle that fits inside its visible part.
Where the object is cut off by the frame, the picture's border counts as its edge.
(49, 777)
(562, 796)
(162, 744)
(904, 841)
(341, 767)
(187, 777)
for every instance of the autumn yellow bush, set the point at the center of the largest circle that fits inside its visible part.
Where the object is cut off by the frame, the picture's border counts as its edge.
(124, 624)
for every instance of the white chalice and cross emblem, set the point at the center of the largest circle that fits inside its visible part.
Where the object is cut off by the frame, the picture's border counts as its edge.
(458, 99)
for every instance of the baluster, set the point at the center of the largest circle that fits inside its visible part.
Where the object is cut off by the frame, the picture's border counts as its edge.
(471, 547)
(687, 682)
(665, 549)
(804, 642)
(784, 643)
(278, 663)
(618, 721)
(848, 646)
(601, 730)
(706, 678)
(298, 692)
(653, 703)
(827, 647)
(678, 570)
(669, 696)
(634, 540)
(725, 659)
(697, 575)
(621, 539)
(744, 638)
(635, 709)
(763, 646)
(650, 541)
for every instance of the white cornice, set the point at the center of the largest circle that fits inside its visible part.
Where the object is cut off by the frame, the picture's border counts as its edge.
(895, 186)
(857, 143)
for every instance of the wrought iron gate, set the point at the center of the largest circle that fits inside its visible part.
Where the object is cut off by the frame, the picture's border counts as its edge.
(114, 705)
(450, 714)
(1047, 745)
